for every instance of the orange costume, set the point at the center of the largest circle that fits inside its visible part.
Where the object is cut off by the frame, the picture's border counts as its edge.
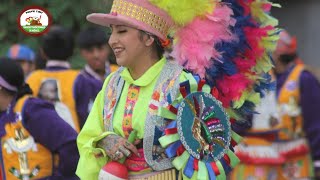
(280, 151)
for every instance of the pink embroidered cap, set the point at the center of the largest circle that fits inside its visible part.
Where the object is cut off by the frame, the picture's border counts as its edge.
(139, 14)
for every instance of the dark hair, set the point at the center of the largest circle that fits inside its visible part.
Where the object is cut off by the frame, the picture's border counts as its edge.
(40, 60)
(58, 43)
(287, 58)
(157, 45)
(92, 36)
(12, 72)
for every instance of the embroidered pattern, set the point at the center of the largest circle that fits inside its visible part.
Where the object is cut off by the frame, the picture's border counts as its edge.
(154, 104)
(137, 163)
(21, 144)
(293, 169)
(291, 121)
(158, 98)
(113, 92)
(109, 107)
(140, 14)
(132, 98)
(168, 85)
(108, 113)
(170, 77)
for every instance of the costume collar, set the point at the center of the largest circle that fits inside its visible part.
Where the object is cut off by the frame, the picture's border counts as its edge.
(147, 77)
(57, 63)
(92, 73)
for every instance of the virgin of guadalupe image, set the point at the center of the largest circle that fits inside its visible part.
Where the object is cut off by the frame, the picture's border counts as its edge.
(49, 90)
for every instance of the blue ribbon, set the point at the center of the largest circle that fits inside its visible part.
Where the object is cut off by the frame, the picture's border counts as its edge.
(188, 170)
(225, 165)
(169, 98)
(197, 78)
(186, 84)
(172, 124)
(212, 175)
(171, 150)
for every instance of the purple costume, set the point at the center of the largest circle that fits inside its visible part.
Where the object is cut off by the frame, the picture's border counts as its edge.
(48, 129)
(310, 104)
(86, 87)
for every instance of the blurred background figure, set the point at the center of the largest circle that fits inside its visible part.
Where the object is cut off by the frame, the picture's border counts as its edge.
(297, 88)
(314, 70)
(283, 141)
(94, 48)
(35, 141)
(40, 61)
(57, 47)
(24, 55)
(287, 51)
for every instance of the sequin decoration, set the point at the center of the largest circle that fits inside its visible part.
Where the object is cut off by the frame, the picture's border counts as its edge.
(210, 126)
(199, 136)
(140, 14)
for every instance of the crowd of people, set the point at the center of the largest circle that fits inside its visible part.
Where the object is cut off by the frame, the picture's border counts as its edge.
(43, 109)
(61, 123)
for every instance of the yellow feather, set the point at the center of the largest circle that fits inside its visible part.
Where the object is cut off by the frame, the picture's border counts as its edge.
(261, 16)
(184, 11)
(247, 96)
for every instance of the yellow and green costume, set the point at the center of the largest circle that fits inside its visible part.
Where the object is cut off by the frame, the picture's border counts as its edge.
(137, 108)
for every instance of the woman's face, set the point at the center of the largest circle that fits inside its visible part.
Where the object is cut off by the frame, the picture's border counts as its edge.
(5, 99)
(127, 45)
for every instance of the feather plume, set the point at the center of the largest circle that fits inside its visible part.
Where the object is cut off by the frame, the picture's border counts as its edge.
(231, 88)
(184, 11)
(194, 44)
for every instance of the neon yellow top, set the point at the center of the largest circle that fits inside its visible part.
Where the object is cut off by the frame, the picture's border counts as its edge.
(93, 130)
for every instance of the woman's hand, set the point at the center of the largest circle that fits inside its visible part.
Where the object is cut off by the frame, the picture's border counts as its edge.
(116, 147)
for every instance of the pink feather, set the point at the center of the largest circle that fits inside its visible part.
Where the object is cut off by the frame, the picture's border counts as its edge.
(231, 87)
(246, 6)
(244, 65)
(267, 7)
(254, 37)
(194, 48)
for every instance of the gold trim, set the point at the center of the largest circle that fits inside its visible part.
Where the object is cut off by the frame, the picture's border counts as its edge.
(141, 14)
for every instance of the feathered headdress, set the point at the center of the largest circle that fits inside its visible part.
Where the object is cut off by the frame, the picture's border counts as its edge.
(228, 44)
